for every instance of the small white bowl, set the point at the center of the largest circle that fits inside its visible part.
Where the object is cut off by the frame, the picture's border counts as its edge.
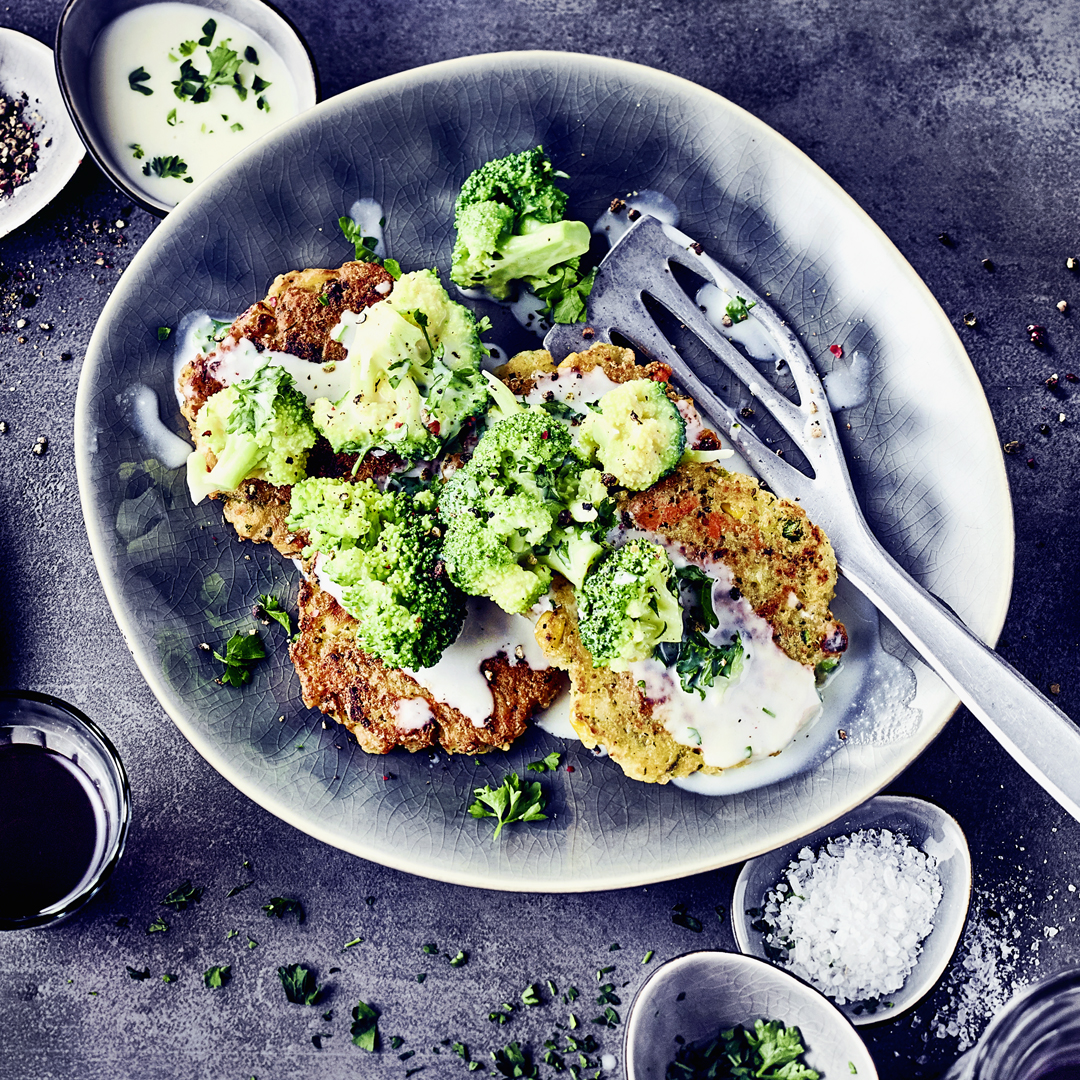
(697, 995)
(83, 20)
(928, 828)
(26, 66)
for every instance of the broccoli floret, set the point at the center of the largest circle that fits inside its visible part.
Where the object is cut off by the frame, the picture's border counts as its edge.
(523, 505)
(414, 366)
(636, 432)
(257, 428)
(382, 551)
(629, 605)
(510, 228)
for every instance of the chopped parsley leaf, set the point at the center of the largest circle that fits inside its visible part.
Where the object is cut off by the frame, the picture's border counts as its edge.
(364, 246)
(138, 975)
(241, 652)
(258, 85)
(511, 801)
(236, 890)
(269, 608)
(648, 956)
(168, 168)
(137, 79)
(550, 762)
(209, 30)
(680, 917)
(163, 333)
(530, 996)
(158, 926)
(280, 906)
(299, 984)
(365, 1026)
(190, 83)
(224, 65)
(738, 310)
(170, 118)
(770, 1050)
(460, 960)
(251, 56)
(186, 48)
(350, 944)
(216, 977)
(137, 152)
(183, 895)
(168, 977)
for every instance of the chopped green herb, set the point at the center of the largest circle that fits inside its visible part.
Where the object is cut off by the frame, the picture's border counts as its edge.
(231, 934)
(364, 245)
(269, 608)
(530, 996)
(609, 1019)
(738, 310)
(365, 1026)
(768, 712)
(168, 977)
(396, 1042)
(209, 30)
(261, 104)
(552, 988)
(237, 127)
(550, 762)
(252, 943)
(573, 1021)
(851, 1067)
(700, 662)
(186, 48)
(721, 912)
(251, 56)
(224, 64)
(769, 1051)
(792, 530)
(182, 896)
(137, 151)
(139, 975)
(614, 947)
(601, 972)
(190, 83)
(431, 950)
(299, 984)
(680, 917)
(392, 267)
(258, 84)
(280, 906)
(158, 926)
(163, 333)
(648, 956)
(572, 994)
(511, 801)
(421, 976)
(241, 652)
(168, 168)
(513, 1061)
(561, 410)
(137, 80)
(216, 977)
(236, 890)
(459, 960)
(350, 944)
(170, 118)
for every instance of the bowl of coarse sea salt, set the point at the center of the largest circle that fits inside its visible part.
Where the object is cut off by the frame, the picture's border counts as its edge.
(868, 910)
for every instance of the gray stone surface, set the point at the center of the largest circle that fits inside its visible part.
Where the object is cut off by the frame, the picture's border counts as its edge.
(935, 117)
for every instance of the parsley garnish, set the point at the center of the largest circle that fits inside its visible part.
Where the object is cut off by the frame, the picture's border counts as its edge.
(190, 83)
(270, 608)
(163, 333)
(158, 926)
(769, 1051)
(392, 267)
(139, 975)
(216, 977)
(182, 896)
(531, 995)
(168, 168)
(258, 84)
(170, 118)
(511, 801)
(738, 310)
(701, 663)
(224, 65)
(136, 80)
(251, 56)
(137, 151)
(459, 960)
(700, 586)
(512, 1061)
(209, 30)
(561, 410)
(241, 651)
(186, 48)
(680, 917)
(280, 906)
(364, 245)
(365, 1026)
(237, 889)
(299, 984)
(544, 764)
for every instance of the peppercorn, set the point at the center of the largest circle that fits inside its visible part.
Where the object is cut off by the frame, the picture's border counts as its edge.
(988, 264)
(969, 319)
(1036, 334)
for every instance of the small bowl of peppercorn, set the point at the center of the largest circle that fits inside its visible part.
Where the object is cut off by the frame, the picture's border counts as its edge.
(39, 146)
(710, 1010)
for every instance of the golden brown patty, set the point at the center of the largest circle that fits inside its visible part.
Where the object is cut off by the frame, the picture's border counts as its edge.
(781, 563)
(297, 315)
(357, 690)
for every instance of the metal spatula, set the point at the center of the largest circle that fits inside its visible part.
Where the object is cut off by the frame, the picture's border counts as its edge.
(1034, 731)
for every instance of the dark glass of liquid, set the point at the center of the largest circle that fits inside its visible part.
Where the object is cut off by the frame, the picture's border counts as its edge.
(64, 805)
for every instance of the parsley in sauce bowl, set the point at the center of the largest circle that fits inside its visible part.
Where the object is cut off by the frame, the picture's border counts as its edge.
(690, 1001)
(163, 93)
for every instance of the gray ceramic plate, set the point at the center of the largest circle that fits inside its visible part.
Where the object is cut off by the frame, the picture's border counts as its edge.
(922, 445)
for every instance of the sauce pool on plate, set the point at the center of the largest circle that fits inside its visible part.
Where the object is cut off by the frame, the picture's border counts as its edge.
(179, 89)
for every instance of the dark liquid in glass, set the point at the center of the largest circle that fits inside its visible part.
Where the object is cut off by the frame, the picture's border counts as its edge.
(48, 829)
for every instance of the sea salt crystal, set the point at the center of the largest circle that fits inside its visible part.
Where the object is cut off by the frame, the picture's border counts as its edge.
(850, 919)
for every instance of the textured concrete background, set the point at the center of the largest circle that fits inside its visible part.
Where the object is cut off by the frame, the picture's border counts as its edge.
(937, 117)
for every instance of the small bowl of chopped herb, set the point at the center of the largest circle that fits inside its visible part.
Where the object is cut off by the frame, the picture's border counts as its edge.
(868, 910)
(164, 93)
(722, 1014)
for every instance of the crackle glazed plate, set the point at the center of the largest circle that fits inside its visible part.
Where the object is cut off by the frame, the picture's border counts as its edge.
(929, 473)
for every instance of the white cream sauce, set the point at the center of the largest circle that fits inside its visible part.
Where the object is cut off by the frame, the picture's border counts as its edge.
(370, 219)
(750, 334)
(140, 405)
(412, 714)
(204, 135)
(237, 360)
(848, 385)
(654, 203)
(751, 715)
(572, 386)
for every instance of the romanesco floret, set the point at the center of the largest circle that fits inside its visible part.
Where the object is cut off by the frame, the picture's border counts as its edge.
(382, 552)
(258, 428)
(510, 229)
(629, 605)
(523, 505)
(636, 432)
(414, 373)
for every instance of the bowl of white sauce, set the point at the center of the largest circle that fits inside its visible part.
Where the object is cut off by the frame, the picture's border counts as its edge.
(163, 93)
